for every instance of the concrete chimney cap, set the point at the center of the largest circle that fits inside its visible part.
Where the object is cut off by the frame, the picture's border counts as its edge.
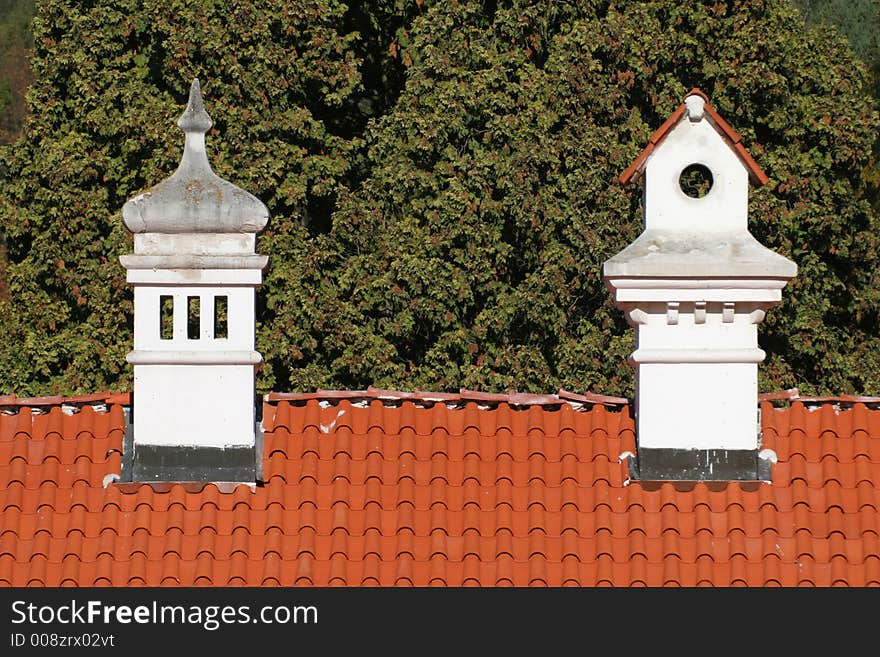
(696, 105)
(194, 199)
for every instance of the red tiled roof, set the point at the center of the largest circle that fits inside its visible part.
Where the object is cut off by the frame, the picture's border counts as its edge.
(373, 490)
(730, 136)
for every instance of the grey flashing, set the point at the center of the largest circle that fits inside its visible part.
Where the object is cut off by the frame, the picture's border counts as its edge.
(179, 464)
(765, 470)
(632, 465)
(258, 444)
(127, 447)
(729, 465)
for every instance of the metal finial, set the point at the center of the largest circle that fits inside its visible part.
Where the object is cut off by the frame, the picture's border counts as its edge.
(194, 117)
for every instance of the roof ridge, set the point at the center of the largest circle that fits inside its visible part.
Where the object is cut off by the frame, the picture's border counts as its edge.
(793, 394)
(463, 395)
(106, 397)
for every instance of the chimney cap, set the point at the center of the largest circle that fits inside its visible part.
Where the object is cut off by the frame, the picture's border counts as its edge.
(663, 254)
(194, 199)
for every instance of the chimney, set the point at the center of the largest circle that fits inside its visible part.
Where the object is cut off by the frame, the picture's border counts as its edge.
(695, 285)
(195, 273)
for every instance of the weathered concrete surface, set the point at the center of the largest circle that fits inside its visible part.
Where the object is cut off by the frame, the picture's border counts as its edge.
(194, 199)
(659, 253)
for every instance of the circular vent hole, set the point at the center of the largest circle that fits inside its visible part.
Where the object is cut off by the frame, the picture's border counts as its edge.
(696, 180)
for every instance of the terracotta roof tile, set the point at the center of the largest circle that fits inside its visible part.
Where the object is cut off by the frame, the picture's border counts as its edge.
(381, 488)
(730, 136)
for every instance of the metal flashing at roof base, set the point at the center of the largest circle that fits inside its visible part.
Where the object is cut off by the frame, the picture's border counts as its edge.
(174, 463)
(127, 447)
(669, 464)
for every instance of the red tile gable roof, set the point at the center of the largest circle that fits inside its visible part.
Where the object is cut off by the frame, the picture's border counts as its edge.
(731, 137)
(392, 490)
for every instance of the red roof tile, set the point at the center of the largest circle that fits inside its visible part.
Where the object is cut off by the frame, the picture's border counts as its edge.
(731, 137)
(389, 489)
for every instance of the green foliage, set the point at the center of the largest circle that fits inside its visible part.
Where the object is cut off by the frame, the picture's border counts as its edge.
(282, 82)
(857, 20)
(16, 44)
(15, 23)
(472, 254)
(441, 178)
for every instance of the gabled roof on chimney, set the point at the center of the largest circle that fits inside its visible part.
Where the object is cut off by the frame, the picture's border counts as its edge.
(731, 137)
(387, 488)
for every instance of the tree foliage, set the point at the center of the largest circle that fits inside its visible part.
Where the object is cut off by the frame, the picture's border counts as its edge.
(442, 182)
(857, 20)
(283, 82)
(16, 44)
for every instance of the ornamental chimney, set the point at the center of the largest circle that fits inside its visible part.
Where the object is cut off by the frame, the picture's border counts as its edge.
(695, 284)
(195, 273)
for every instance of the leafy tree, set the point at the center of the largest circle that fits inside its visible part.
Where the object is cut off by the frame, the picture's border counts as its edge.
(442, 180)
(284, 84)
(16, 44)
(471, 255)
(857, 20)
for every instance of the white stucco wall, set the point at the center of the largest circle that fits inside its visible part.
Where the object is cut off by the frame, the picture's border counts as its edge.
(194, 405)
(697, 405)
(667, 207)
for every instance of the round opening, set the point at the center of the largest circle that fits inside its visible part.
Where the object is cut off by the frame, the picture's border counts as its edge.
(695, 180)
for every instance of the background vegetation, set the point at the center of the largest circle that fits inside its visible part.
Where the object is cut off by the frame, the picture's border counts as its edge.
(16, 46)
(441, 178)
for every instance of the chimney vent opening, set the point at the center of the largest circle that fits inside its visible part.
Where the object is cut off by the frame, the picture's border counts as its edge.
(166, 317)
(696, 180)
(221, 310)
(193, 318)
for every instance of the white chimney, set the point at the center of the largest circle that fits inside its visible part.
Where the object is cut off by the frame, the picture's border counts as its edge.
(695, 284)
(194, 272)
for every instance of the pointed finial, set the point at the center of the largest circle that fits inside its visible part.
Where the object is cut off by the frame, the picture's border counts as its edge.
(194, 117)
(194, 199)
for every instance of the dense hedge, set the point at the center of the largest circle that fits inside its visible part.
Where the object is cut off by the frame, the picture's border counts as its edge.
(441, 178)
(15, 75)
